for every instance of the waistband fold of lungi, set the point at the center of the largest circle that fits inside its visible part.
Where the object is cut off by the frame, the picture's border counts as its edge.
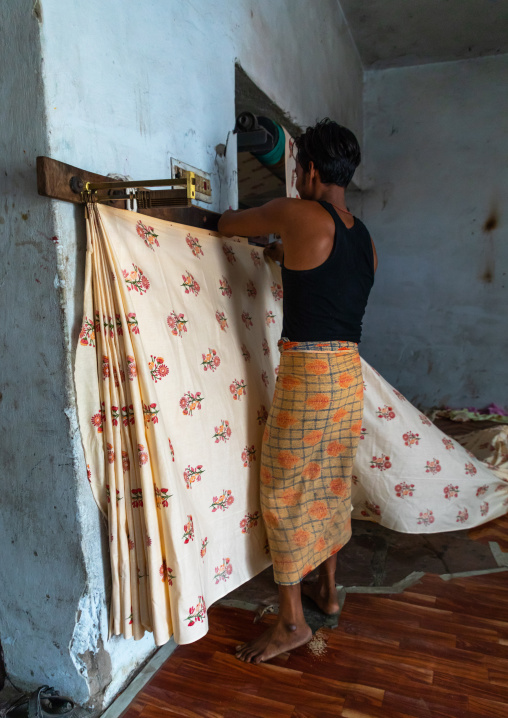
(285, 345)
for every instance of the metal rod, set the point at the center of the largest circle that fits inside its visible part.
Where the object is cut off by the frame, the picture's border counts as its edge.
(183, 182)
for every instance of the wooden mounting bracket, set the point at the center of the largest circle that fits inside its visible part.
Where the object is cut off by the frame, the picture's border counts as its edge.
(59, 180)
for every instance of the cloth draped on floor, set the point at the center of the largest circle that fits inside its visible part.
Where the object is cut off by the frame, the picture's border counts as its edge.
(309, 443)
(175, 373)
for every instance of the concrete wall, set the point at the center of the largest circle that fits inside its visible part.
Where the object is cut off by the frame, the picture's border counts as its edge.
(124, 86)
(435, 188)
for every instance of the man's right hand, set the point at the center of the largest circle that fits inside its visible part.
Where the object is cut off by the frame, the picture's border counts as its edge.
(274, 251)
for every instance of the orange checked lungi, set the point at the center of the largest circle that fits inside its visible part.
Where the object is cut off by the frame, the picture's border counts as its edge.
(309, 445)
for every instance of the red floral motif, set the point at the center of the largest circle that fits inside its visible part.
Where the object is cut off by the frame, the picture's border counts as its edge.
(150, 412)
(131, 544)
(110, 452)
(119, 327)
(190, 284)
(166, 573)
(176, 322)
(269, 317)
(222, 502)
(87, 333)
(142, 456)
(148, 235)
(247, 319)
(115, 376)
(426, 518)
(266, 548)
(382, 462)
(105, 367)
(403, 490)
(211, 360)
(225, 288)
(171, 450)
(192, 474)
(238, 389)
(161, 497)
(470, 469)
(197, 613)
(108, 495)
(424, 420)
(229, 252)
(462, 516)
(451, 491)
(132, 323)
(136, 498)
(114, 415)
(264, 378)
(256, 258)
(248, 455)
(399, 395)
(128, 415)
(222, 319)
(190, 402)
(276, 370)
(188, 530)
(251, 289)
(148, 540)
(136, 280)
(363, 433)
(194, 246)
(411, 439)
(131, 368)
(433, 467)
(109, 327)
(126, 464)
(224, 571)
(371, 509)
(262, 415)
(249, 522)
(276, 290)
(481, 490)
(99, 419)
(448, 444)
(266, 348)
(354, 479)
(385, 412)
(222, 432)
(97, 324)
(245, 352)
(484, 509)
(88, 473)
(204, 544)
(158, 370)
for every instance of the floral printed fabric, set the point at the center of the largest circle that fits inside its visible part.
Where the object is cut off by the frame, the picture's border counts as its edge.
(181, 328)
(409, 476)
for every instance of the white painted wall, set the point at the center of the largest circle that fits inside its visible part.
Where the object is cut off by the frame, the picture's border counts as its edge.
(111, 87)
(436, 149)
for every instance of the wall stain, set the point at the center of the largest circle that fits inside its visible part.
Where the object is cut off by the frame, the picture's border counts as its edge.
(490, 224)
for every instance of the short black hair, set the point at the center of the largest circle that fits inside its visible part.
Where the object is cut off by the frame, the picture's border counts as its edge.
(334, 150)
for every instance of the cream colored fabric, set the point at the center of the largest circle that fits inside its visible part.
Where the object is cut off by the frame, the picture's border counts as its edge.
(409, 476)
(182, 327)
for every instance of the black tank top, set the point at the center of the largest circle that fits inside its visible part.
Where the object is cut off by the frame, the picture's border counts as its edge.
(328, 302)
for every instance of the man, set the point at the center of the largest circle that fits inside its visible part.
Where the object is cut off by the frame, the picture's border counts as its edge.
(314, 425)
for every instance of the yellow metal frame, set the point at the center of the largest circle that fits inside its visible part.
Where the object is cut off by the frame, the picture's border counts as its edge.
(183, 193)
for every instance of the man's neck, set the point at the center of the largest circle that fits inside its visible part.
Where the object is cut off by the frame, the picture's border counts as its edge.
(333, 194)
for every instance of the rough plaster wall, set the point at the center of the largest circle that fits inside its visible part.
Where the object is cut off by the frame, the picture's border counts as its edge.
(42, 567)
(436, 147)
(127, 85)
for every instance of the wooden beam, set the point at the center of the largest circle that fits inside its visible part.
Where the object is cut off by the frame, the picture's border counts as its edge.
(54, 180)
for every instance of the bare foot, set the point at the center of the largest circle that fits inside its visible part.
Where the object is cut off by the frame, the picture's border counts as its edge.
(326, 600)
(278, 639)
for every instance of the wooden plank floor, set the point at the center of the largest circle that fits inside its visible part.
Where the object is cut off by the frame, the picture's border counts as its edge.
(438, 650)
